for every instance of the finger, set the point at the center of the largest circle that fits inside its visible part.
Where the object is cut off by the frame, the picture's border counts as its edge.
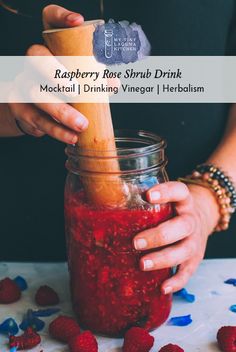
(44, 67)
(168, 257)
(114, 82)
(38, 50)
(180, 279)
(55, 16)
(53, 129)
(168, 192)
(166, 233)
(38, 120)
(28, 129)
(65, 114)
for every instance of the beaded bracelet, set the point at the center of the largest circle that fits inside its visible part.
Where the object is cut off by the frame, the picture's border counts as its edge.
(217, 174)
(212, 178)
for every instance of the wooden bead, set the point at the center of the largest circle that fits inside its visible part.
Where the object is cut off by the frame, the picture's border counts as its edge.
(222, 201)
(224, 211)
(206, 176)
(223, 196)
(225, 218)
(225, 226)
(196, 174)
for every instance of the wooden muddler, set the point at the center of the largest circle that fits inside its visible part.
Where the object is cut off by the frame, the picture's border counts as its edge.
(98, 139)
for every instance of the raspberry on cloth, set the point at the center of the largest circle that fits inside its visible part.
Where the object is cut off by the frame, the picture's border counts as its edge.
(209, 312)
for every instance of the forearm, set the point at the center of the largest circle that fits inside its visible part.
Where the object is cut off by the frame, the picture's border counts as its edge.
(8, 127)
(223, 157)
(225, 154)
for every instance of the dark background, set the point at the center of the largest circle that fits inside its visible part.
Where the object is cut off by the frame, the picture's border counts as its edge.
(32, 170)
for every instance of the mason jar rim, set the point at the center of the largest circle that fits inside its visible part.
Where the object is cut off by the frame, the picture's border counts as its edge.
(139, 152)
(149, 142)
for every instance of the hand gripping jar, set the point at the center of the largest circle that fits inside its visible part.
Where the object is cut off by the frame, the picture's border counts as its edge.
(109, 292)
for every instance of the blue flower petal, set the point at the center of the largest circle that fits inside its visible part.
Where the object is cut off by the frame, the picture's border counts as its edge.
(24, 325)
(9, 326)
(230, 282)
(45, 312)
(13, 349)
(180, 321)
(147, 183)
(30, 320)
(29, 315)
(233, 308)
(185, 295)
(37, 324)
(21, 283)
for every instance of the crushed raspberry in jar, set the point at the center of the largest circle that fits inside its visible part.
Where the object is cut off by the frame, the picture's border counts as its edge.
(109, 291)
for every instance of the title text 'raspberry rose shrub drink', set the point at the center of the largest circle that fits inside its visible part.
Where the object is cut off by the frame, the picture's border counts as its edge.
(109, 291)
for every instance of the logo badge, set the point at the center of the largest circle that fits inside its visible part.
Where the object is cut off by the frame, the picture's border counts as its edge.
(120, 42)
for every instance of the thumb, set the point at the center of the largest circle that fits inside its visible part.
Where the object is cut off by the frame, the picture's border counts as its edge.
(57, 16)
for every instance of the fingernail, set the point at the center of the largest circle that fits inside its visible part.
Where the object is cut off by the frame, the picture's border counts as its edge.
(140, 243)
(167, 290)
(154, 196)
(72, 17)
(148, 264)
(81, 123)
(74, 139)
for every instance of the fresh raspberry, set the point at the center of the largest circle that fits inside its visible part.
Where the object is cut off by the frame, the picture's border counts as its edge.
(46, 296)
(9, 291)
(63, 328)
(26, 341)
(226, 338)
(137, 340)
(171, 348)
(84, 342)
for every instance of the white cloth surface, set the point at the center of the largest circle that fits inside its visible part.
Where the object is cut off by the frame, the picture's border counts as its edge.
(209, 312)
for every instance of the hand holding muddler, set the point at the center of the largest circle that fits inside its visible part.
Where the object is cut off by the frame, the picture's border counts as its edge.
(98, 139)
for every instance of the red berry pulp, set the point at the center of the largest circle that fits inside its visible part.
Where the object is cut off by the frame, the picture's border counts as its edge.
(109, 291)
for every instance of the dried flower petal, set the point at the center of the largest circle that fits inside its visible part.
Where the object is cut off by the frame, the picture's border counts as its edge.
(147, 183)
(185, 295)
(233, 308)
(21, 283)
(230, 282)
(30, 320)
(13, 349)
(180, 321)
(9, 327)
(45, 312)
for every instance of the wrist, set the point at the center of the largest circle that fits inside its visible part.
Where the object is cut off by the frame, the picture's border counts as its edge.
(207, 205)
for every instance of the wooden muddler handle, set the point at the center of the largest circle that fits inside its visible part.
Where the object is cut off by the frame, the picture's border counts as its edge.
(106, 190)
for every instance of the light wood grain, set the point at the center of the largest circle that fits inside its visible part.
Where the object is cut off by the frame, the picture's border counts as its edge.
(98, 139)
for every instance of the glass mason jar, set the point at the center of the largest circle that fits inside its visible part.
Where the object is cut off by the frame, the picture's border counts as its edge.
(109, 291)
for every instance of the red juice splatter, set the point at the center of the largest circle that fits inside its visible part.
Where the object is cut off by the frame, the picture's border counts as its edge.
(109, 291)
